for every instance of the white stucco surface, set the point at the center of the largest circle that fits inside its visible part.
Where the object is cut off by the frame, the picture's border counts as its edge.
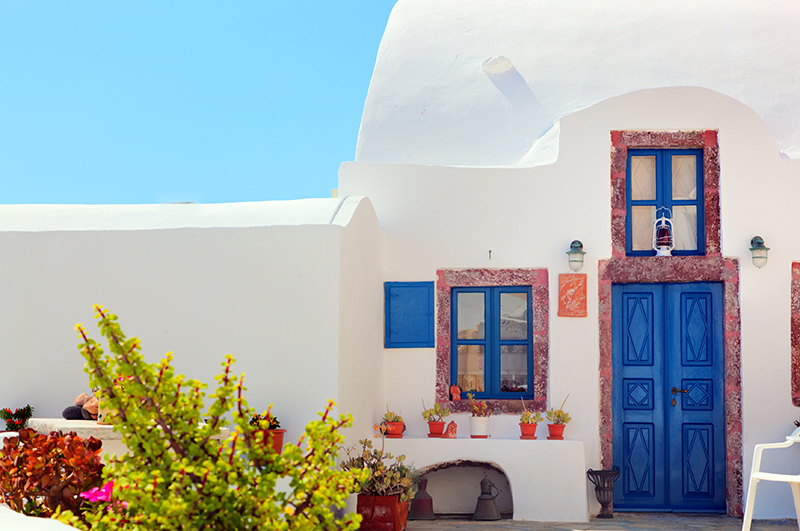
(444, 217)
(42, 218)
(13, 521)
(269, 295)
(547, 478)
(475, 83)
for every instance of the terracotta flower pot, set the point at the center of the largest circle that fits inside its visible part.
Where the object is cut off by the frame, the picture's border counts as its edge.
(275, 439)
(556, 432)
(479, 427)
(382, 513)
(527, 430)
(394, 430)
(436, 429)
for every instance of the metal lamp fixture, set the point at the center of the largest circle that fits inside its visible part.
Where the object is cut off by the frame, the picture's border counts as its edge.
(663, 234)
(575, 254)
(759, 251)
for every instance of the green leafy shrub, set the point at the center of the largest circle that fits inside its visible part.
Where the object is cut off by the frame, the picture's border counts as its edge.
(41, 473)
(177, 477)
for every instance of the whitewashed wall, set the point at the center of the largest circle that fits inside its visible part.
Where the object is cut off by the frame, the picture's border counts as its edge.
(269, 295)
(476, 83)
(361, 363)
(447, 217)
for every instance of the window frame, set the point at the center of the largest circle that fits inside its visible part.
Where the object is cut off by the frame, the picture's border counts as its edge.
(492, 342)
(664, 195)
(538, 280)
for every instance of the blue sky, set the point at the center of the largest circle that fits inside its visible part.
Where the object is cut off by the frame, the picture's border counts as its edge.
(154, 102)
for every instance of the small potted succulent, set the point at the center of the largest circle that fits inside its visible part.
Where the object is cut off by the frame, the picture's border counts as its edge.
(528, 422)
(17, 419)
(273, 434)
(384, 496)
(393, 425)
(479, 421)
(435, 418)
(558, 420)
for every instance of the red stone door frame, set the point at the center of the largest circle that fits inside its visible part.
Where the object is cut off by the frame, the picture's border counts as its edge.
(712, 267)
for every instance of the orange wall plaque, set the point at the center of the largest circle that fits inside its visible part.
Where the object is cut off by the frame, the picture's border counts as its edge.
(572, 295)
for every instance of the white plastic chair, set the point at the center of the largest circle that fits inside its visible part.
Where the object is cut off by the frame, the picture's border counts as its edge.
(757, 475)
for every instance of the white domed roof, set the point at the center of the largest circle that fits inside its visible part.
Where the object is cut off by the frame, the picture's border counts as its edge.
(477, 83)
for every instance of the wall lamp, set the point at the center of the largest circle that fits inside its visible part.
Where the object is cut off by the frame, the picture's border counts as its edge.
(759, 251)
(575, 254)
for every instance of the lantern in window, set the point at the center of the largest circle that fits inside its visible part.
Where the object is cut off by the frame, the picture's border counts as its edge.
(663, 233)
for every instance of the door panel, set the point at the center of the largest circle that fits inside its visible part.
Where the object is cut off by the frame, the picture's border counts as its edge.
(668, 445)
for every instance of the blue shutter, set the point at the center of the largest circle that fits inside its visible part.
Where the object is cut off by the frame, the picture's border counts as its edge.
(409, 314)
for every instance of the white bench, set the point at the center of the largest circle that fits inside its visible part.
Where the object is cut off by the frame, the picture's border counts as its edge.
(547, 478)
(757, 475)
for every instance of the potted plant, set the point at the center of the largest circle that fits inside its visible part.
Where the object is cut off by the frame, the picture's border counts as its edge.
(479, 421)
(384, 496)
(17, 419)
(394, 424)
(528, 422)
(435, 418)
(558, 420)
(273, 434)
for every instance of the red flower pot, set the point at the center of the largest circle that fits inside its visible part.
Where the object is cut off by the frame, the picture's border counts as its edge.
(436, 429)
(394, 430)
(275, 439)
(382, 513)
(527, 430)
(556, 431)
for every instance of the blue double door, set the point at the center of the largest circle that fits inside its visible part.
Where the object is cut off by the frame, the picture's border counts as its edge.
(669, 418)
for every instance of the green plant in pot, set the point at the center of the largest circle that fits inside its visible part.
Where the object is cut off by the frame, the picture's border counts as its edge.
(273, 434)
(479, 421)
(384, 496)
(528, 421)
(17, 419)
(435, 418)
(392, 424)
(558, 419)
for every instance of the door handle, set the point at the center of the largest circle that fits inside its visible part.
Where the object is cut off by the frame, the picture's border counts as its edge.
(675, 390)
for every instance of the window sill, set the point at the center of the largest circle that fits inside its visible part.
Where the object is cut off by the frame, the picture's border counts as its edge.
(512, 406)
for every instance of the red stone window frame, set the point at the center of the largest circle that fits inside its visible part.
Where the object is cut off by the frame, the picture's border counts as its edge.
(621, 141)
(537, 279)
(796, 333)
(713, 267)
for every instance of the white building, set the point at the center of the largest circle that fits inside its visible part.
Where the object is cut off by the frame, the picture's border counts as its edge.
(494, 134)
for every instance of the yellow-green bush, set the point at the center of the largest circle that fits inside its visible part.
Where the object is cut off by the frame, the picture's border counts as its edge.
(177, 477)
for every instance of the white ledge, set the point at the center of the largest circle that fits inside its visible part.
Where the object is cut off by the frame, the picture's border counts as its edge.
(547, 478)
(112, 440)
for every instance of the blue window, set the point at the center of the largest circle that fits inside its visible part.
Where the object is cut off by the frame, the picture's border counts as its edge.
(408, 308)
(671, 179)
(491, 351)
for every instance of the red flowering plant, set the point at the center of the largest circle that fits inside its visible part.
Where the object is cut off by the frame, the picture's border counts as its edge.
(17, 419)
